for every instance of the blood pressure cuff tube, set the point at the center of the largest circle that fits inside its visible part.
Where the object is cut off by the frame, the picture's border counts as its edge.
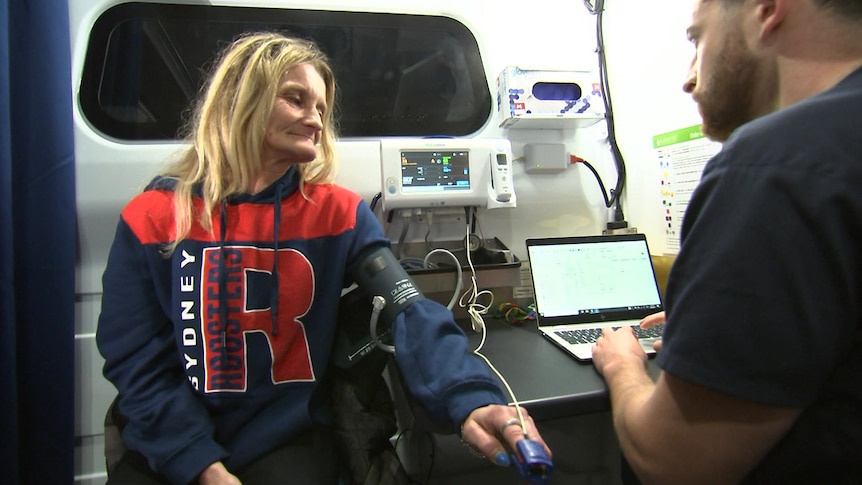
(380, 274)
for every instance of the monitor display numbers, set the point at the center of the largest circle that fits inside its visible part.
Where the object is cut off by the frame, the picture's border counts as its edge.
(446, 172)
(423, 171)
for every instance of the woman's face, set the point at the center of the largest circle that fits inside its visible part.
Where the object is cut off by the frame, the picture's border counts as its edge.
(295, 123)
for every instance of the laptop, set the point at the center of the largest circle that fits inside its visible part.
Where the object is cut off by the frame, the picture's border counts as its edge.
(586, 283)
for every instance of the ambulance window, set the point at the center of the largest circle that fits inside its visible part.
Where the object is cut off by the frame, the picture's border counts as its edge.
(397, 75)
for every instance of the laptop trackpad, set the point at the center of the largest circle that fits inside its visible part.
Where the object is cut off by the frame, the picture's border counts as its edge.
(646, 344)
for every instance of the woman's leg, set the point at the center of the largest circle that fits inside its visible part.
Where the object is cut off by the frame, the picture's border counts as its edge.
(133, 469)
(309, 458)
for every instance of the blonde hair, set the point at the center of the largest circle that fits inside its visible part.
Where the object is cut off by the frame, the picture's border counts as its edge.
(229, 123)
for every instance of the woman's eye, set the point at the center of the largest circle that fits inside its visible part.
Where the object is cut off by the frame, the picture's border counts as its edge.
(294, 100)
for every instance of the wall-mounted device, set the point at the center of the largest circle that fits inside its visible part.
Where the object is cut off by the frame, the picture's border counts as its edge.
(539, 99)
(446, 172)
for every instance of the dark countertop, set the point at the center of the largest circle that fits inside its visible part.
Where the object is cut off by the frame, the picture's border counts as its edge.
(545, 380)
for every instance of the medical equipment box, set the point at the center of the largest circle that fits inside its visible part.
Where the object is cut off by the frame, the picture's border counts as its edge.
(539, 99)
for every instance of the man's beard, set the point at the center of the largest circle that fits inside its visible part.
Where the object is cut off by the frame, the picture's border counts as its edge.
(740, 89)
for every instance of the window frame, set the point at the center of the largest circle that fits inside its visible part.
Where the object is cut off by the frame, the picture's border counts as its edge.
(414, 116)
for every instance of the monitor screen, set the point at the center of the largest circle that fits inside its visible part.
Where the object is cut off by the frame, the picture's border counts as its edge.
(435, 171)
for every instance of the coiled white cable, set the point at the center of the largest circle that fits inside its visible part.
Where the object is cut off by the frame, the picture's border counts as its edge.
(458, 273)
(476, 310)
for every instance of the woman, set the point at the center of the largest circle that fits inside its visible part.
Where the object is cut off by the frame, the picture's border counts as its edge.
(222, 288)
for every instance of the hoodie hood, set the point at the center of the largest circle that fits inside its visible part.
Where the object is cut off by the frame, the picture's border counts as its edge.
(285, 185)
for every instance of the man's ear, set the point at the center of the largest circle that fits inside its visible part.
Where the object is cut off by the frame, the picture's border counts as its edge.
(770, 14)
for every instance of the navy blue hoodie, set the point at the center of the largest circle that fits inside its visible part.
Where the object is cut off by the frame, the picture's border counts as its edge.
(217, 350)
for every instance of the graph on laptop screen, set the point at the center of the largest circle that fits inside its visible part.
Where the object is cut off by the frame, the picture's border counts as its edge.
(593, 278)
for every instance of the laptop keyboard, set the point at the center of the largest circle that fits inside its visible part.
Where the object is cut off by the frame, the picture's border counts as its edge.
(590, 335)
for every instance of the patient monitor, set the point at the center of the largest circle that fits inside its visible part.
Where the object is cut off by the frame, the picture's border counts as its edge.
(446, 172)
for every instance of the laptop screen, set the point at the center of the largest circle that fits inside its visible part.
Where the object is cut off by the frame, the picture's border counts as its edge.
(593, 278)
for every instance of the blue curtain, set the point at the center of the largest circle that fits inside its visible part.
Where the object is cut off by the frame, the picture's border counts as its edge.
(37, 244)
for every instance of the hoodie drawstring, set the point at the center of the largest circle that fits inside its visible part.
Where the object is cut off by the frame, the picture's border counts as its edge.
(273, 295)
(222, 278)
(222, 281)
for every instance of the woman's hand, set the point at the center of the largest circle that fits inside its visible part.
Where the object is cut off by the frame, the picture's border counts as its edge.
(217, 474)
(492, 430)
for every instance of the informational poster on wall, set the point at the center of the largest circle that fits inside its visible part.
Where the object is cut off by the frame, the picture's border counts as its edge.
(681, 155)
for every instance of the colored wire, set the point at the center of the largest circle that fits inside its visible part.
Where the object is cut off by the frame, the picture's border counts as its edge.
(514, 314)
(608, 201)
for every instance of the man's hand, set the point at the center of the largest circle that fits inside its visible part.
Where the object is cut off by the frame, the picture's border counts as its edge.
(492, 430)
(650, 320)
(617, 349)
(217, 474)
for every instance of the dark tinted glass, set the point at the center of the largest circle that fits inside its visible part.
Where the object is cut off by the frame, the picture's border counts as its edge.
(398, 75)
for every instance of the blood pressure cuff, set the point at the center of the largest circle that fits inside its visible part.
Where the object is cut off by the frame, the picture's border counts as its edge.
(380, 274)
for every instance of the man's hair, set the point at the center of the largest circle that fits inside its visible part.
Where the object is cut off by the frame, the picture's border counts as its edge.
(852, 9)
